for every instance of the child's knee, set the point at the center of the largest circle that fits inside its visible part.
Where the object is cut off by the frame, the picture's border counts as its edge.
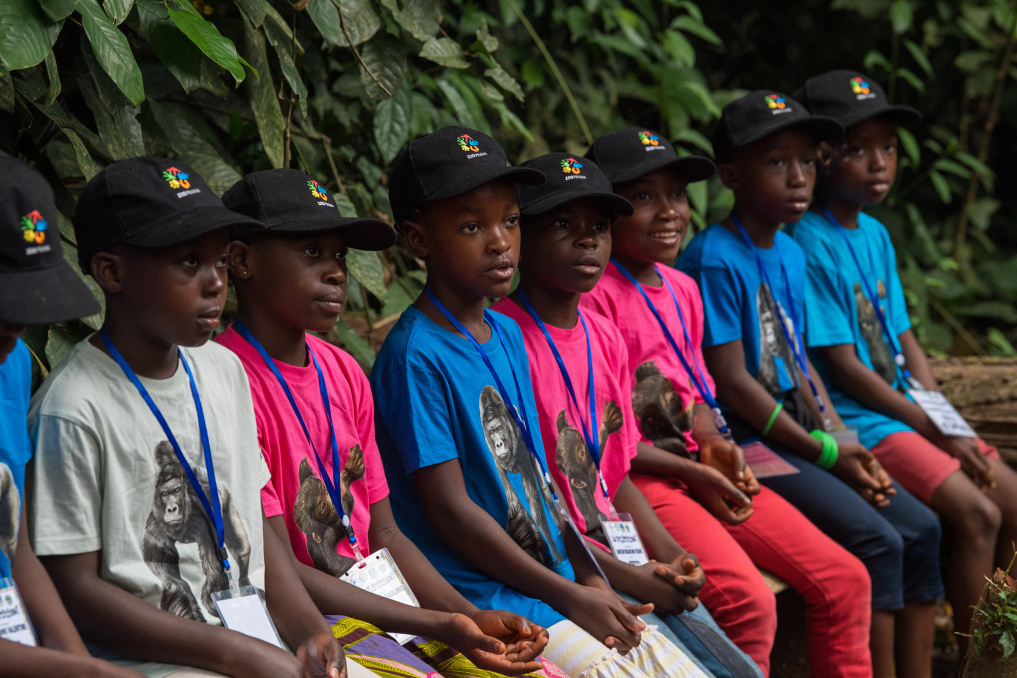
(982, 518)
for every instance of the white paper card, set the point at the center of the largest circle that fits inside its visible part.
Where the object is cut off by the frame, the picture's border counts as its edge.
(623, 538)
(246, 614)
(942, 413)
(14, 623)
(379, 574)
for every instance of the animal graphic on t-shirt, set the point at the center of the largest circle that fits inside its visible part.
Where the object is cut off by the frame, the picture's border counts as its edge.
(573, 458)
(529, 529)
(10, 513)
(776, 361)
(315, 515)
(663, 418)
(872, 332)
(177, 516)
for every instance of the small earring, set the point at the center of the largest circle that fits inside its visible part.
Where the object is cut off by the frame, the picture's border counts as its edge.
(244, 274)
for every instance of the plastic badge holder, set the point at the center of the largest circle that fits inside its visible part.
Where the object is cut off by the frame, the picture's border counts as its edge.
(242, 609)
(764, 462)
(14, 623)
(379, 574)
(623, 538)
(946, 418)
(846, 436)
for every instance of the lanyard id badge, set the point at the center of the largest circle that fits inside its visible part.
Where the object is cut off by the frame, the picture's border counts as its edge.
(623, 538)
(944, 415)
(14, 623)
(379, 574)
(764, 462)
(243, 610)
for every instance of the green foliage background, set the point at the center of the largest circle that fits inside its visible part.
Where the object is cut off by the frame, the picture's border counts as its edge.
(336, 87)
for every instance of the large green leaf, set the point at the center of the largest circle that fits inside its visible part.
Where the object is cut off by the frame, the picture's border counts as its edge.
(444, 51)
(192, 147)
(367, 268)
(117, 10)
(180, 56)
(362, 21)
(54, 79)
(57, 10)
(392, 120)
(26, 35)
(282, 41)
(420, 17)
(85, 162)
(264, 99)
(115, 116)
(505, 81)
(325, 16)
(386, 59)
(209, 40)
(254, 10)
(112, 50)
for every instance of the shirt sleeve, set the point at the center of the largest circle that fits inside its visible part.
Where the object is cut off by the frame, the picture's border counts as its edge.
(722, 308)
(66, 497)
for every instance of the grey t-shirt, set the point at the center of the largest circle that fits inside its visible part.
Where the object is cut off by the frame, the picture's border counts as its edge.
(106, 478)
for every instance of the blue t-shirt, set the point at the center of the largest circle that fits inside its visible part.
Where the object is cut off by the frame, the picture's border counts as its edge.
(436, 401)
(15, 448)
(840, 311)
(738, 304)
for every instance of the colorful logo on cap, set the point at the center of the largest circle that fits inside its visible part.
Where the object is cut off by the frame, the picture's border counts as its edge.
(649, 138)
(775, 101)
(33, 227)
(176, 178)
(571, 166)
(317, 190)
(859, 85)
(468, 143)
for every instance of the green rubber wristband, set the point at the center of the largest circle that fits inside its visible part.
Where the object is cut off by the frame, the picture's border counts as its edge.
(828, 457)
(773, 418)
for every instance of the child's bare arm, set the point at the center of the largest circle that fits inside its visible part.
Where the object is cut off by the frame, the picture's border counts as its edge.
(115, 620)
(296, 618)
(474, 534)
(810, 399)
(22, 661)
(51, 621)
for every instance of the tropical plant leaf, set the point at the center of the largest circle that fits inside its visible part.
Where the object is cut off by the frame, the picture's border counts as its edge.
(6, 93)
(282, 41)
(367, 268)
(420, 17)
(111, 48)
(117, 10)
(54, 80)
(325, 16)
(180, 56)
(445, 51)
(57, 10)
(85, 162)
(387, 62)
(354, 344)
(392, 119)
(362, 22)
(26, 34)
(505, 81)
(115, 116)
(209, 40)
(254, 11)
(264, 99)
(192, 147)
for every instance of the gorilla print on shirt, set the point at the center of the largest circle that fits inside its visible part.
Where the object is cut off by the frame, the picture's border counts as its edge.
(10, 515)
(663, 417)
(872, 332)
(178, 517)
(777, 370)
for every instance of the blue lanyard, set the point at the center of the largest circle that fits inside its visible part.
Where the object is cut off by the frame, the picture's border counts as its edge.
(332, 484)
(697, 377)
(873, 295)
(589, 435)
(527, 436)
(793, 337)
(214, 509)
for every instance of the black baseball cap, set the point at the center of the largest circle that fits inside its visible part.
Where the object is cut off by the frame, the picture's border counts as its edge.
(37, 286)
(851, 97)
(632, 152)
(760, 114)
(148, 202)
(568, 179)
(289, 201)
(447, 163)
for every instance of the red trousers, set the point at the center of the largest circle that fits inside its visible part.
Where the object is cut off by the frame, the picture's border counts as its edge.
(779, 539)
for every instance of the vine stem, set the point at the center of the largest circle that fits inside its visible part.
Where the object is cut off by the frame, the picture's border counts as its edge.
(986, 140)
(356, 52)
(554, 69)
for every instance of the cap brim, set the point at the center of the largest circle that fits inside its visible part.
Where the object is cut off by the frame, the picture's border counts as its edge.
(191, 224)
(360, 233)
(46, 295)
(620, 207)
(823, 128)
(900, 115)
(691, 167)
(463, 183)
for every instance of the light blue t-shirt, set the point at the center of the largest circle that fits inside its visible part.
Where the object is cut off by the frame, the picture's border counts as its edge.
(738, 304)
(436, 401)
(15, 448)
(840, 312)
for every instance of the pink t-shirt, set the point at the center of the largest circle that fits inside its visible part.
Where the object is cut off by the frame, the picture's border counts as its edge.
(296, 490)
(561, 424)
(664, 395)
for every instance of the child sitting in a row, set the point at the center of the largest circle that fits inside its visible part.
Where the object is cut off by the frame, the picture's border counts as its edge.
(290, 280)
(861, 340)
(750, 276)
